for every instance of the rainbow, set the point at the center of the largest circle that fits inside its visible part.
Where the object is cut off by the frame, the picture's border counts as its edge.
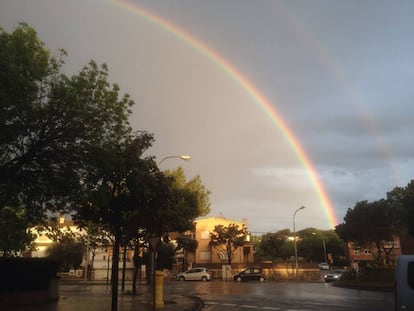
(326, 59)
(253, 92)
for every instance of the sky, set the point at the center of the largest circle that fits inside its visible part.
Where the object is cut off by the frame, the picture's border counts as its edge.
(279, 103)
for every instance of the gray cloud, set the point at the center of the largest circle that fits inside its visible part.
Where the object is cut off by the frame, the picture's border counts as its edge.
(342, 82)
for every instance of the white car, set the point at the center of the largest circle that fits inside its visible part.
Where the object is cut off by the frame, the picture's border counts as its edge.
(404, 283)
(323, 266)
(334, 275)
(194, 274)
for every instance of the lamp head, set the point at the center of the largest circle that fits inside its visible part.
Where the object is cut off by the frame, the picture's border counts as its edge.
(185, 157)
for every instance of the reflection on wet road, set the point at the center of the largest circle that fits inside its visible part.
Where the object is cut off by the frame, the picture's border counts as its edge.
(219, 295)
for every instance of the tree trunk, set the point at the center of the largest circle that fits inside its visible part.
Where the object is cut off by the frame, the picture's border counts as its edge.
(123, 268)
(137, 267)
(229, 254)
(115, 270)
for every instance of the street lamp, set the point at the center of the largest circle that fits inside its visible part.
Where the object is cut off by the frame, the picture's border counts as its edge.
(294, 241)
(157, 296)
(182, 157)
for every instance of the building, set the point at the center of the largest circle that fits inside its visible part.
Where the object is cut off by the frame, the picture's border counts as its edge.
(369, 253)
(206, 254)
(101, 257)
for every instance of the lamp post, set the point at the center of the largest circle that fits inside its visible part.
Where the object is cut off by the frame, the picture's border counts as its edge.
(157, 286)
(182, 157)
(294, 241)
(324, 249)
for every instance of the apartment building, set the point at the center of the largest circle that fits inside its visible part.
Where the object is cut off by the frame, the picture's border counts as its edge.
(205, 254)
(370, 252)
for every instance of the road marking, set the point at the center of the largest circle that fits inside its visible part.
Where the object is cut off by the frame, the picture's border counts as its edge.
(216, 303)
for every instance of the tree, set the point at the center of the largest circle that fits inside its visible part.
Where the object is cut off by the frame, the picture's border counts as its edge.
(95, 241)
(315, 244)
(195, 186)
(187, 244)
(120, 192)
(367, 223)
(227, 239)
(401, 199)
(272, 246)
(50, 124)
(15, 238)
(68, 251)
(127, 194)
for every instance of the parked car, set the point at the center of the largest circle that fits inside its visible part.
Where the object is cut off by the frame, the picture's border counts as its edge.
(323, 266)
(404, 283)
(250, 274)
(334, 275)
(194, 274)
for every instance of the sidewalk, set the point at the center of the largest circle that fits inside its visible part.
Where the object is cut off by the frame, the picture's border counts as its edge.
(96, 296)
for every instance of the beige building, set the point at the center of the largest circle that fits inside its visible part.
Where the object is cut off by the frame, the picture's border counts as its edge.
(206, 254)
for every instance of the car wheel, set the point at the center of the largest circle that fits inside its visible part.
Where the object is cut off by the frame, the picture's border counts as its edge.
(181, 278)
(204, 279)
(261, 279)
(238, 279)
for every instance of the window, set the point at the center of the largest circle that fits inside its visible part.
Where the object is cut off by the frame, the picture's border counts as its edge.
(357, 252)
(204, 235)
(205, 255)
(223, 255)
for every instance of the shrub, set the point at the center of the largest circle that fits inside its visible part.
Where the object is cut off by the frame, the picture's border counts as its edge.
(26, 274)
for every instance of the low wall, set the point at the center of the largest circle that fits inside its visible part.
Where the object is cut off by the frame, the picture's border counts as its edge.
(273, 272)
(28, 281)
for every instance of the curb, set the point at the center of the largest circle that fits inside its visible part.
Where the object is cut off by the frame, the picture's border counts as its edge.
(198, 303)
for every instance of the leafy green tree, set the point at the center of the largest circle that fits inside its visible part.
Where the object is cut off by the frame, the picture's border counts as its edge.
(187, 244)
(401, 200)
(126, 193)
(227, 239)
(50, 124)
(15, 238)
(68, 251)
(96, 240)
(66, 247)
(271, 246)
(194, 186)
(367, 223)
(120, 192)
(315, 244)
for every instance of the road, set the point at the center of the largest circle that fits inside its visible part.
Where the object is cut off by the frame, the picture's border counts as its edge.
(219, 295)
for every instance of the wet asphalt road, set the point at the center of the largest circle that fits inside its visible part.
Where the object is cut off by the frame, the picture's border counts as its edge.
(219, 295)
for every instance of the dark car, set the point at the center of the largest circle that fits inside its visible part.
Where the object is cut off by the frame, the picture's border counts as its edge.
(250, 274)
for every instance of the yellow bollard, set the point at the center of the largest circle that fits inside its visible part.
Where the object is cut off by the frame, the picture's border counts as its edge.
(159, 289)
